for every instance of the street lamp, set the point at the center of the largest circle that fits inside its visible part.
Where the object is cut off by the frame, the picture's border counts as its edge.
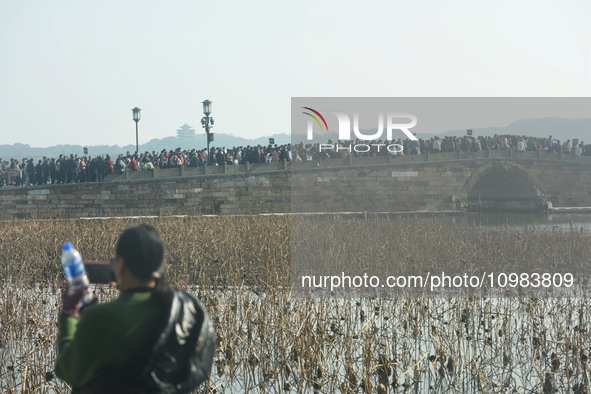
(207, 123)
(136, 118)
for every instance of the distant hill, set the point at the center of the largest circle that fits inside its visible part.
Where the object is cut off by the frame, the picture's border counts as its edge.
(560, 128)
(198, 141)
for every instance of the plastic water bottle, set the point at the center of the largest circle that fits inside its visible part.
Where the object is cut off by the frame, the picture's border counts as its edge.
(75, 271)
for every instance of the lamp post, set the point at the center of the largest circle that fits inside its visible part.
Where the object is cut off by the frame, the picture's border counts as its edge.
(207, 123)
(136, 117)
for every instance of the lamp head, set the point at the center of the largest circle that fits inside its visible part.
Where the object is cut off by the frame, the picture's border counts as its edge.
(136, 114)
(207, 107)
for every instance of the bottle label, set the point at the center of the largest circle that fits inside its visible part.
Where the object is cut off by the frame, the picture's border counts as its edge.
(76, 269)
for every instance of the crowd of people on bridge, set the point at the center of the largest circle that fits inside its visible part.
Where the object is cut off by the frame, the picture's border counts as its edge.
(464, 143)
(75, 169)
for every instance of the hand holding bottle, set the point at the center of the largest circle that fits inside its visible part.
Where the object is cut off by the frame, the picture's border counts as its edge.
(76, 294)
(72, 300)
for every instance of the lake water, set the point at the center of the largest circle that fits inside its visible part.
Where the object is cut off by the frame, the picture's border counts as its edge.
(424, 344)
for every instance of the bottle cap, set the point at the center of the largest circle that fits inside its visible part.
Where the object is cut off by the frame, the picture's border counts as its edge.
(67, 246)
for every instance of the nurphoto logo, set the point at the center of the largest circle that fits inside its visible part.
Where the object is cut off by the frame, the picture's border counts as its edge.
(392, 121)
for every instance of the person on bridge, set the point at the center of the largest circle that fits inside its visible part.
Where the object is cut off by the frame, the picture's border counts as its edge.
(550, 144)
(150, 339)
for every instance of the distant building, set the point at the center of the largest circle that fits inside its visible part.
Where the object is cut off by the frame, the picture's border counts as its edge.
(185, 132)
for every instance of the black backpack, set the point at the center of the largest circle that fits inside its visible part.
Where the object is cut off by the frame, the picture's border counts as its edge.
(180, 361)
(183, 354)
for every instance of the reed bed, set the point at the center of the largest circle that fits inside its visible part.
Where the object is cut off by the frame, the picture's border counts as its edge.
(273, 338)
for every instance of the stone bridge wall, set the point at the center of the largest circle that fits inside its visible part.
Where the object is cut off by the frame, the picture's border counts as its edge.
(376, 184)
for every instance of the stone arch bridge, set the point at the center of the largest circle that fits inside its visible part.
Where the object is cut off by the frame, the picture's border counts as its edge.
(490, 180)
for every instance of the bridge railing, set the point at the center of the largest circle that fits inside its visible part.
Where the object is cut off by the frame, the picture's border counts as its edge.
(346, 161)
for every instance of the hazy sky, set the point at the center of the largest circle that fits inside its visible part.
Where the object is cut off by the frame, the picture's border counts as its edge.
(70, 71)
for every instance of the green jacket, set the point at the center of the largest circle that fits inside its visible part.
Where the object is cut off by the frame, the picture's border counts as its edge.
(108, 337)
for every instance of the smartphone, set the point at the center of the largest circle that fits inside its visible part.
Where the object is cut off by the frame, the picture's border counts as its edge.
(99, 272)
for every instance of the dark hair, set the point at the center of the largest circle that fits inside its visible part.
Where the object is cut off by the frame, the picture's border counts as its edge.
(142, 250)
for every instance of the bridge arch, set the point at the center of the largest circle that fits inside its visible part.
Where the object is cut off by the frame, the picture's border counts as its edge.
(503, 187)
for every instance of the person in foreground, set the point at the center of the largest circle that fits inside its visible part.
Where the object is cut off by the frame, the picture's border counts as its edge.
(151, 339)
